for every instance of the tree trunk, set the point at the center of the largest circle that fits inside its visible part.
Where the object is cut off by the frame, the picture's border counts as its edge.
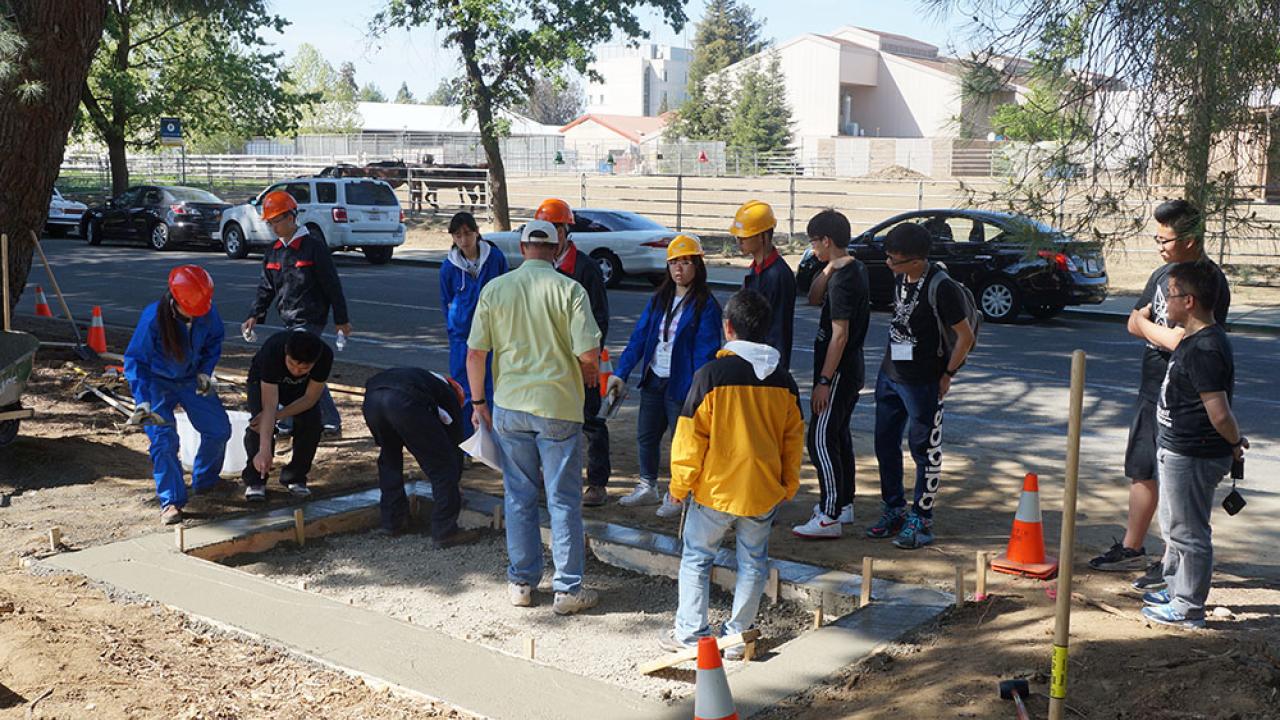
(119, 163)
(482, 98)
(61, 38)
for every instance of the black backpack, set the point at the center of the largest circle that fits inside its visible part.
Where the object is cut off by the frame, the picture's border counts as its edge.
(971, 312)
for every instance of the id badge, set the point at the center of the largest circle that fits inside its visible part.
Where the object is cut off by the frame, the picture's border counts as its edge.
(901, 352)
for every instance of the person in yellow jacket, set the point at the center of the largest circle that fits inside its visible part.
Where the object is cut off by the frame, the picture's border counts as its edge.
(735, 458)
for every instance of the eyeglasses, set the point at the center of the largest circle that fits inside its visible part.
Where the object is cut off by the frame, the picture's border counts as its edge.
(1162, 241)
(680, 261)
(1177, 295)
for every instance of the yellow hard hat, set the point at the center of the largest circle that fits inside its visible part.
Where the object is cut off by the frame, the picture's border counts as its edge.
(683, 246)
(753, 218)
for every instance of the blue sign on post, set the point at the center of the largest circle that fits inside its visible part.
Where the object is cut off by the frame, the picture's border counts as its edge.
(170, 131)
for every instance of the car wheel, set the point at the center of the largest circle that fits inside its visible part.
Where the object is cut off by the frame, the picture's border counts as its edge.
(378, 254)
(160, 236)
(610, 267)
(999, 300)
(233, 242)
(1044, 311)
(314, 231)
(92, 233)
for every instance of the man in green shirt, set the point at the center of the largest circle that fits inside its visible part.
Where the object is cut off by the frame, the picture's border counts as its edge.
(546, 345)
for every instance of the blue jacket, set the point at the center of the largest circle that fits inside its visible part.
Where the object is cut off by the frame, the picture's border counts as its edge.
(696, 342)
(147, 367)
(459, 291)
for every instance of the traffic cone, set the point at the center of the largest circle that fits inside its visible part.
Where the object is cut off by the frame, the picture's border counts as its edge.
(711, 697)
(42, 304)
(97, 340)
(1025, 555)
(606, 371)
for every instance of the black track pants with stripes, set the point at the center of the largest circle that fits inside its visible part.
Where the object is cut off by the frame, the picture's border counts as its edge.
(831, 447)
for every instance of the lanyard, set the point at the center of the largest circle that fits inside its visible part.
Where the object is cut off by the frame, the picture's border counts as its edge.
(673, 315)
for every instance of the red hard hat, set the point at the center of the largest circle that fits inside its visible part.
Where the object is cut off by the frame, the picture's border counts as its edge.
(192, 289)
(554, 210)
(277, 202)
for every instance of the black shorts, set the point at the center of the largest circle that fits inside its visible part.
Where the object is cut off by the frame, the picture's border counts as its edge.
(1140, 454)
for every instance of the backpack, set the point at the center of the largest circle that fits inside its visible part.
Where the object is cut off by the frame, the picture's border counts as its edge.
(971, 312)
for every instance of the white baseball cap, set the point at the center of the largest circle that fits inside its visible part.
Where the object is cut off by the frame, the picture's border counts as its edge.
(540, 231)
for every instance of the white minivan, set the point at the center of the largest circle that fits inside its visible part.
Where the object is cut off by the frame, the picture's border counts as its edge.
(345, 213)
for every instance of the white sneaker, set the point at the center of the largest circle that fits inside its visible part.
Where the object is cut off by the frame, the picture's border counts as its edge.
(299, 490)
(670, 507)
(846, 513)
(570, 603)
(521, 595)
(255, 493)
(644, 494)
(819, 527)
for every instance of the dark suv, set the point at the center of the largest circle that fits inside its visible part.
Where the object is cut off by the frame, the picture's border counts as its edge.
(1010, 262)
(160, 215)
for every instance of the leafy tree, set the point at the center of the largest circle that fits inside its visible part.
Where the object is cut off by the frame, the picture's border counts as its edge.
(370, 93)
(45, 50)
(553, 101)
(199, 60)
(728, 33)
(761, 119)
(505, 44)
(448, 92)
(347, 88)
(404, 96)
(330, 106)
(1044, 115)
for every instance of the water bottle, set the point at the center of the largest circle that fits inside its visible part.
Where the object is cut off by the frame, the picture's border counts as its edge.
(250, 335)
(341, 341)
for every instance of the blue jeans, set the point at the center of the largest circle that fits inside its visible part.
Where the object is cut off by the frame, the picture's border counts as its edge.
(704, 530)
(658, 414)
(534, 447)
(209, 419)
(917, 410)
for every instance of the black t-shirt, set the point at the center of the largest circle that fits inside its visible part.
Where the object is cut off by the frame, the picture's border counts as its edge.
(425, 389)
(914, 324)
(848, 297)
(1155, 294)
(268, 366)
(1201, 363)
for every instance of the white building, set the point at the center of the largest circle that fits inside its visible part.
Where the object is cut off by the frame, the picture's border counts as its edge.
(639, 80)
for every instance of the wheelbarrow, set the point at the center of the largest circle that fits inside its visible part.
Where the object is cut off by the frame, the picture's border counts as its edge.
(17, 351)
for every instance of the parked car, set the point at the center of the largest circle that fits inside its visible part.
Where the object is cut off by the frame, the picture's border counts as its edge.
(622, 243)
(343, 213)
(1010, 262)
(160, 215)
(64, 215)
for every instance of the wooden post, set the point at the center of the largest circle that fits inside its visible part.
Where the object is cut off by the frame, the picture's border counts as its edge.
(180, 537)
(959, 586)
(817, 617)
(497, 516)
(4, 267)
(980, 587)
(55, 538)
(773, 587)
(865, 598)
(528, 647)
(1066, 549)
(749, 651)
(299, 528)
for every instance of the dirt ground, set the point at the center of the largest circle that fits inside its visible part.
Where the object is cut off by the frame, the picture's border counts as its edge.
(71, 468)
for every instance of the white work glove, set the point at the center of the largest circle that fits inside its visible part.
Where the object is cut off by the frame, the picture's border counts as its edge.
(141, 412)
(616, 386)
(204, 384)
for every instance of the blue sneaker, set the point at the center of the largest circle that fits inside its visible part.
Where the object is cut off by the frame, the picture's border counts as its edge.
(889, 524)
(915, 534)
(1166, 615)
(1156, 598)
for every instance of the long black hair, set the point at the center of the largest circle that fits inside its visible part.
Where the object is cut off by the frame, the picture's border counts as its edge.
(465, 219)
(699, 292)
(172, 334)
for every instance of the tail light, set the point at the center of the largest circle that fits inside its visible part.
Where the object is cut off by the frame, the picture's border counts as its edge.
(179, 210)
(659, 243)
(1059, 260)
(402, 215)
(339, 214)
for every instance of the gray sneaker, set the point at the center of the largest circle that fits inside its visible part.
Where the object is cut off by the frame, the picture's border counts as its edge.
(520, 594)
(572, 603)
(644, 494)
(667, 641)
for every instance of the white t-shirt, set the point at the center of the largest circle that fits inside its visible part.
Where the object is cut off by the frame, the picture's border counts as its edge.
(666, 339)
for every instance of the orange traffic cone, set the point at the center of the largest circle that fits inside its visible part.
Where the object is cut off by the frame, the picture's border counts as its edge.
(1025, 555)
(42, 304)
(711, 697)
(97, 340)
(606, 371)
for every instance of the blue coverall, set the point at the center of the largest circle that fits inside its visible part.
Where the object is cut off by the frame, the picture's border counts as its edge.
(165, 383)
(459, 293)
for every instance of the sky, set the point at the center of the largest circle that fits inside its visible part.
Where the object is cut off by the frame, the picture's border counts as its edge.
(339, 29)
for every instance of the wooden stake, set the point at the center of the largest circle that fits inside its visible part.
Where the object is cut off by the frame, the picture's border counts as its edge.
(299, 528)
(959, 586)
(980, 565)
(4, 267)
(865, 599)
(817, 617)
(497, 516)
(528, 647)
(55, 538)
(748, 651)
(180, 537)
(1066, 548)
(773, 587)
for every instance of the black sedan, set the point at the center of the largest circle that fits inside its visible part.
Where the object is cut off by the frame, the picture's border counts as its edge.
(1010, 262)
(160, 215)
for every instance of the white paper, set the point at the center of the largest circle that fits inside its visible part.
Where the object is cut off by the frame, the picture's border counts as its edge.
(483, 447)
(901, 351)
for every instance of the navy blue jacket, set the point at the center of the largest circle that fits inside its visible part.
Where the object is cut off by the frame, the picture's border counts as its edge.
(777, 284)
(697, 339)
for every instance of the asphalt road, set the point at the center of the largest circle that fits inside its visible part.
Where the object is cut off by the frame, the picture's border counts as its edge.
(1010, 399)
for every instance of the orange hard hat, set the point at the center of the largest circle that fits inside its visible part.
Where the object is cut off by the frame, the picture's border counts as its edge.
(554, 210)
(276, 203)
(192, 289)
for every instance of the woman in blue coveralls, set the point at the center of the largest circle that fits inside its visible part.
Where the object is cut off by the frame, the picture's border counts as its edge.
(472, 263)
(170, 362)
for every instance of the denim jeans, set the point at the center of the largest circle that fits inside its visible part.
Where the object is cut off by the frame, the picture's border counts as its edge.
(534, 447)
(658, 414)
(917, 410)
(1186, 500)
(704, 530)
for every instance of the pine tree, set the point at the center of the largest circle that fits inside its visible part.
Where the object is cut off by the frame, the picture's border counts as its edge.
(728, 33)
(370, 92)
(761, 118)
(404, 96)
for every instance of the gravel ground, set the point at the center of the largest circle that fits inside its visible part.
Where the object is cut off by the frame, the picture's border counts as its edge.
(462, 591)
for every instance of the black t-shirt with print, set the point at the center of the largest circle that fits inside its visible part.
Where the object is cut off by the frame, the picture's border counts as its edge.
(914, 323)
(848, 297)
(268, 366)
(1155, 294)
(1201, 363)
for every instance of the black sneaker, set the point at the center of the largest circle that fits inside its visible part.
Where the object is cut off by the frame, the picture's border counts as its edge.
(1119, 559)
(1152, 579)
